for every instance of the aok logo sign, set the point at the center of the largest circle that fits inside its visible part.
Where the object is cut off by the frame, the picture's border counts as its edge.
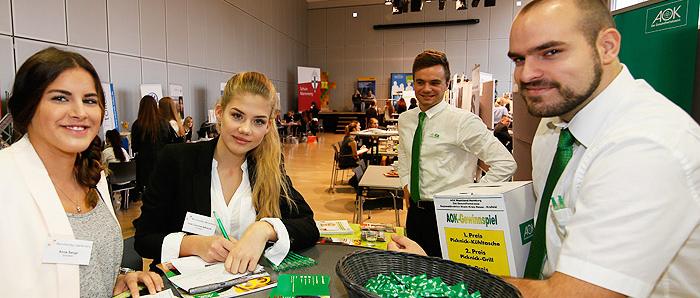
(667, 16)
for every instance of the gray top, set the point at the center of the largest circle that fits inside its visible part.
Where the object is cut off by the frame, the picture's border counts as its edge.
(99, 226)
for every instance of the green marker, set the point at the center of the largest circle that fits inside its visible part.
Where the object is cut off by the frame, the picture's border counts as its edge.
(221, 226)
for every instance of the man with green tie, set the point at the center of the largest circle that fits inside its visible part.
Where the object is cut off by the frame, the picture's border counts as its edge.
(616, 167)
(439, 146)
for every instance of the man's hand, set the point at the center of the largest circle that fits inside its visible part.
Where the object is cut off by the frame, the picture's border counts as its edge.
(404, 244)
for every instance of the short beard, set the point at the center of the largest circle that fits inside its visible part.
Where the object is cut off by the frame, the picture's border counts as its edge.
(570, 100)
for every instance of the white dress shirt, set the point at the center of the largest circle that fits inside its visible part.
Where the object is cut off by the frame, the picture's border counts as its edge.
(453, 141)
(631, 193)
(237, 216)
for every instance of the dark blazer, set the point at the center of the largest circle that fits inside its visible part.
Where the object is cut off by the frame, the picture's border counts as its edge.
(181, 183)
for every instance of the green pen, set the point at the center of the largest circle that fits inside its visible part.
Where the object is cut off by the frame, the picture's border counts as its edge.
(221, 226)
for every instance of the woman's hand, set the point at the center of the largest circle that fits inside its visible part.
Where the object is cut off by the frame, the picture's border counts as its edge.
(246, 253)
(209, 248)
(130, 281)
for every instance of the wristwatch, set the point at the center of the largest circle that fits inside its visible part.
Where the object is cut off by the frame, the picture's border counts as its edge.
(125, 270)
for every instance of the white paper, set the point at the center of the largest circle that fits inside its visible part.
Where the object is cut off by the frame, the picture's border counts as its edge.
(76, 252)
(189, 264)
(199, 224)
(209, 275)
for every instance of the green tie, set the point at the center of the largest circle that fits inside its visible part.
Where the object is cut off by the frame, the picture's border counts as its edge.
(415, 158)
(538, 248)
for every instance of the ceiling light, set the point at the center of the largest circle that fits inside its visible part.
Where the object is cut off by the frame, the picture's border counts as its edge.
(354, 14)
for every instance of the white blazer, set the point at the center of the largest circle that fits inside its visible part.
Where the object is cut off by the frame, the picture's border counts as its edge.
(31, 213)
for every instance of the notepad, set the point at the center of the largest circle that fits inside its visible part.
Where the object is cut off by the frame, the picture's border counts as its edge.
(209, 275)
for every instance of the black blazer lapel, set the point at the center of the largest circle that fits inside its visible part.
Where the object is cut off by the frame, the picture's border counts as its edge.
(201, 178)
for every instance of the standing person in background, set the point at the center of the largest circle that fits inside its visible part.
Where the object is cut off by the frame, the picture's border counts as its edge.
(168, 111)
(240, 176)
(149, 134)
(371, 112)
(188, 124)
(499, 110)
(401, 106)
(54, 193)
(114, 151)
(439, 148)
(357, 101)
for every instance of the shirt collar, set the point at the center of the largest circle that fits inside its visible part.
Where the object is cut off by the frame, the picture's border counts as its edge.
(588, 122)
(435, 109)
(244, 166)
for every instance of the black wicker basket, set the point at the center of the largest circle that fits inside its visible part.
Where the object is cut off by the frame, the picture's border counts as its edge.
(356, 268)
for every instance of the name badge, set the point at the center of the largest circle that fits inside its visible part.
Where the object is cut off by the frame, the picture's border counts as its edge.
(199, 224)
(76, 252)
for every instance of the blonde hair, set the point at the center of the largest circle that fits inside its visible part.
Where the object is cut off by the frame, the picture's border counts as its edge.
(168, 111)
(270, 182)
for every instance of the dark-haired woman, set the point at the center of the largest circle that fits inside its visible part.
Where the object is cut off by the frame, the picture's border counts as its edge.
(114, 151)
(60, 235)
(148, 135)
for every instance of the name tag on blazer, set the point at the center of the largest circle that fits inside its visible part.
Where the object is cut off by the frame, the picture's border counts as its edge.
(199, 224)
(75, 252)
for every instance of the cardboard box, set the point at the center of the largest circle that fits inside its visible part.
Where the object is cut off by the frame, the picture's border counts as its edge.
(487, 225)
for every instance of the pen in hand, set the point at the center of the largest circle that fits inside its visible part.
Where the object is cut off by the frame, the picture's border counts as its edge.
(221, 226)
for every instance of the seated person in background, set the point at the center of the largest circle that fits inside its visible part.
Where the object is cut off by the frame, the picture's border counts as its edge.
(502, 134)
(348, 147)
(239, 177)
(414, 103)
(289, 117)
(401, 106)
(109, 154)
(188, 124)
(374, 123)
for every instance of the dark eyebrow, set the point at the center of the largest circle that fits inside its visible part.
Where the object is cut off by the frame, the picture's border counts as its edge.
(260, 116)
(65, 92)
(544, 46)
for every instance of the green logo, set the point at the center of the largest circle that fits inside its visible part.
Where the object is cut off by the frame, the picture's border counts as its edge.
(527, 231)
(666, 16)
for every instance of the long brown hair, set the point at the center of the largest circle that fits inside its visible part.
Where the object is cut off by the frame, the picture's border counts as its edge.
(31, 80)
(270, 182)
(148, 120)
(168, 111)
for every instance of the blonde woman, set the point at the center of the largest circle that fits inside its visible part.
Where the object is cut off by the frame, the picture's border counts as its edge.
(168, 111)
(238, 175)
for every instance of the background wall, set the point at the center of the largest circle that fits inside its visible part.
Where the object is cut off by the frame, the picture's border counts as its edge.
(194, 43)
(348, 48)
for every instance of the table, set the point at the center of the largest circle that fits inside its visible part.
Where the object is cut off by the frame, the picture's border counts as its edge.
(374, 179)
(327, 256)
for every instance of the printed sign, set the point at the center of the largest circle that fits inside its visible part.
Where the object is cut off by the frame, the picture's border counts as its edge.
(667, 16)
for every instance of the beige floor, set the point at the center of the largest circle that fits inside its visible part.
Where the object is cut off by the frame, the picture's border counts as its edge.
(309, 166)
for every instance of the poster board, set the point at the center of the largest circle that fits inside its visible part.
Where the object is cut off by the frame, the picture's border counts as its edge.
(401, 86)
(111, 118)
(175, 92)
(308, 87)
(365, 85)
(487, 225)
(154, 90)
